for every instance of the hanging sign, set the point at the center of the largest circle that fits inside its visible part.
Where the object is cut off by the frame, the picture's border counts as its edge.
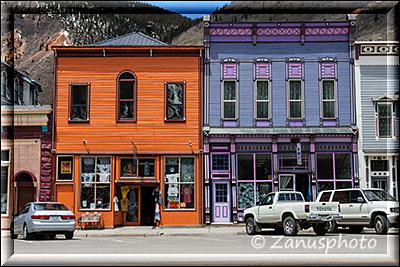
(298, 153)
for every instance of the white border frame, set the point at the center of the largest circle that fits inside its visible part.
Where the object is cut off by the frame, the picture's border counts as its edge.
(321, 86)
(262, 101)
(288, 99)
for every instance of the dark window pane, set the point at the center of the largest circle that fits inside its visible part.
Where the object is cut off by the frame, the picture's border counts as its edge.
(103, 197)
(79, 102)
(128, 168)
(295, 109)
(385, 127)
(325, 196)
(87, 196)
(329, 109)
(220, 162)
(221, 193)
(263, 167)
(126, 75)
(341, 197)
(343, 185)
(126, 90)
(384, 110)
(146, 167)
(262, 110)
(5, 155)
(379, 165)
(175, 101)
(229, 110)
(245, 167)
(229, 90)
(65, 168)
(262, 90)
(328, 90)
(325, 166)
(354, 195)
(343, 166)
(126, 109)
(295, 90)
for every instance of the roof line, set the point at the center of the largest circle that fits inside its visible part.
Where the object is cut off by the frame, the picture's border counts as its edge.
(125, 35)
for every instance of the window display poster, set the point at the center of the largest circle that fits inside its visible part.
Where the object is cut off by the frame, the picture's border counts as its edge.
(66, 167)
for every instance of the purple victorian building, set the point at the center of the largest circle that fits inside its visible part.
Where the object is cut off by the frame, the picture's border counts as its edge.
(279, 112)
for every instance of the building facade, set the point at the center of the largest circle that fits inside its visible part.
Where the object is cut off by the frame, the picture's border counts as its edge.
(127, 119)
(377, 88)
(279, 112)
(25, 143)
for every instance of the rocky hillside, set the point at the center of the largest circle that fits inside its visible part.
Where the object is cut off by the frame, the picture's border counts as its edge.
(81, 23)
(376, 20)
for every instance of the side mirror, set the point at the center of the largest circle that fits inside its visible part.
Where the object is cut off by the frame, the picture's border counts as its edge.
(360, 200)
(15, 214)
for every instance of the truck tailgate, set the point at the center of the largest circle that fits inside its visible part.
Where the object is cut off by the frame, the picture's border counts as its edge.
(324, 208)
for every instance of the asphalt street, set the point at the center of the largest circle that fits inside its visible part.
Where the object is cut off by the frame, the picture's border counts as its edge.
(361, 248)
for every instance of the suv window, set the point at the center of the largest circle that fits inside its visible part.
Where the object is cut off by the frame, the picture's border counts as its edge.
(341, 197)
(325, 197)
(354, 194)
(268, 200)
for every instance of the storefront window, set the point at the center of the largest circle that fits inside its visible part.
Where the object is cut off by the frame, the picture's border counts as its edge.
(325, 166)
(65, 168)
(179, 183)
(289, 162)
(343, 166)
(142, 167)
(334, 171)
(95, 178)
(253, 186)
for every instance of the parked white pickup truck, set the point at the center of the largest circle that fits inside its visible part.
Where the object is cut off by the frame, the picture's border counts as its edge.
(373, 208)
(286, 212)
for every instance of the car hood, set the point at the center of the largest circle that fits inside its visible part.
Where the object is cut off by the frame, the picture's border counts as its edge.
(385, 204)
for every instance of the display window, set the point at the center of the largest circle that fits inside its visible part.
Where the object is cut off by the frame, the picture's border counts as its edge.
(65, 168)
(179, 183)
(140, 168)
(95, 183)
(254, 178)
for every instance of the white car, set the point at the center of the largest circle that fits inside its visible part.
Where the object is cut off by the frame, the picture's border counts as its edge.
(371, 208)
(286, 212)
(45, 218)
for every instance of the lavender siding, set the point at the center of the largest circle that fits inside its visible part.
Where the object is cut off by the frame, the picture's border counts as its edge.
(278, 94)
(311, 92)
(278, 50)
(343, 93)
(246, 95)
(215, 94)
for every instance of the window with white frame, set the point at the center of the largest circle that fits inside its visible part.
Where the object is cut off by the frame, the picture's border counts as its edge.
(385, 120)
(295, 99)
(328, 99)
(229, 100)
(262, 99)
(95, 183)
(5, 173)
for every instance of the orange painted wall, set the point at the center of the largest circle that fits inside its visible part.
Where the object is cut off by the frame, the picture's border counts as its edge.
(150, 133)
(65, 194)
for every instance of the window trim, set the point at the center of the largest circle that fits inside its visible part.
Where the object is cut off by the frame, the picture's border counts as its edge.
(302, 100)
(229, 101)
(322, 99)
(72, 168)
(88, 84)
(117, 114)
(7, 164)
(262, 101)
(393, 120)
(95, 183)
(166, 100)
(194, 183)
(137, 169)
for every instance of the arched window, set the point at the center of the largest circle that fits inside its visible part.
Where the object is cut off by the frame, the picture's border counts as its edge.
(126, 93)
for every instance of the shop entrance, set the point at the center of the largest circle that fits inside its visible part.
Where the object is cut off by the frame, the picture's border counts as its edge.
(141, 206)
(25, 190)
(221, 199)
(296, 182)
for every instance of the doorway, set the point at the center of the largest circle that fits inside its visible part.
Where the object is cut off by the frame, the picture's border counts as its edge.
(25, 190)
(221, 198)
(147, 208)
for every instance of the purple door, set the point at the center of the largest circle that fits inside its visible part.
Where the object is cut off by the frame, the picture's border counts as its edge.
(221, 198)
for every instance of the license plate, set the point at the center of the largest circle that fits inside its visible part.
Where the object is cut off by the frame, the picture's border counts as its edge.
(55, 218)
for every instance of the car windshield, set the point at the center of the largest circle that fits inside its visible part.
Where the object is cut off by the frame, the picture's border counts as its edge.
(50, 206)
(378, 195)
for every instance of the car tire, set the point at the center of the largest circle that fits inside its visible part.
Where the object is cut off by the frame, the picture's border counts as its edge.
(250, 226)
(381, 225)
(319, 229)
(356, 229)
(13, 236)
(69, 235)
(26, 233)
(290, 226)
(332, 227)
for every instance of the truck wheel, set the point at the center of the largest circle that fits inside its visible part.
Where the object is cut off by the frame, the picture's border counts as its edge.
(290, 226)
(381, 225)
(250, 226)
(356, 229)
(332, 227)
(319, 229)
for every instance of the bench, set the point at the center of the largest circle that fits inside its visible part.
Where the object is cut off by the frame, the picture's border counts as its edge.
(89, 219)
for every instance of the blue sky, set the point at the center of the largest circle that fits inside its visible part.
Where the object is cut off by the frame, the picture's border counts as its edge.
(191, 9)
